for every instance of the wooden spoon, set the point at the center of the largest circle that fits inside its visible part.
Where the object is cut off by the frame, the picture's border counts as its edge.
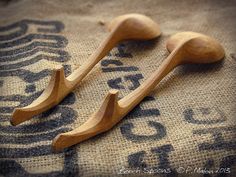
(130, 26)
(185, 47)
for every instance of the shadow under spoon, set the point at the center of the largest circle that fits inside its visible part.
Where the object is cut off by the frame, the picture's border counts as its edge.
(185, 47)
(125, 27)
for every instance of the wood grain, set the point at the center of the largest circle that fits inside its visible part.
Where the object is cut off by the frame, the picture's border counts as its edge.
(185, 47)
(125, 27)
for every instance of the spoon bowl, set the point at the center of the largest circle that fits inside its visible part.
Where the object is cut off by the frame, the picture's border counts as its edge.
(135, 26)
(130, 26)
(184, 47)
(196, 47)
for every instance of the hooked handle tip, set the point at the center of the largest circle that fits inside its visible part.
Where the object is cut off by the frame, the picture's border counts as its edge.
(103, 120)
(20, 115)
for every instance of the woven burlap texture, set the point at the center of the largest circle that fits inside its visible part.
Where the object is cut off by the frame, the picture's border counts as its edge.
(176, 127)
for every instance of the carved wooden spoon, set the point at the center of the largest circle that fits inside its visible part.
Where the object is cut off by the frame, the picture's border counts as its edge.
(185, 47)
(130, 26)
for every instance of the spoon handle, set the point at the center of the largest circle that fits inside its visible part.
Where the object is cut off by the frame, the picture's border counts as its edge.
(127, 103)
(100, 52)
(112, 111)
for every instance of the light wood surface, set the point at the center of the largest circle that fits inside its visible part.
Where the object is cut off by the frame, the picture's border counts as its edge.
(185, 47)
(125, 27)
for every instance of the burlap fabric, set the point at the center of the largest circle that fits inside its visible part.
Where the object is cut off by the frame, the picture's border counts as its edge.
(185, 127)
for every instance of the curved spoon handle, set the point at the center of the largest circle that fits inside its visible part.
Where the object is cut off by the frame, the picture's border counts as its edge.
(131, 100)
(99, 122)
(59, 86)
(112, 111)
(100, 52)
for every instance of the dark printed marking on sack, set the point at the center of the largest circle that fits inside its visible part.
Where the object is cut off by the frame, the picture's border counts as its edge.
(53, 41)
(28, 139)
(106, 63)
(29, 76)
(62, 116)
(226, 165)
(211, 116)
(12, 168)
(116, 83)
(122, 53)
(136, 161)
(139, 112)
(30, 88)
(30, 61)
(218, 143)
(21, 99)
(23, 26)
(134, 79)
(126, 131)
(163, 157)
(208, 165)
(233, 55)
(39, 150)
(60, 42)
(1, 83)
(118, 65)
(48, 54)
(25, 100)
(21, 47)
(223, 170)
(204, 115)
(123, 68)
